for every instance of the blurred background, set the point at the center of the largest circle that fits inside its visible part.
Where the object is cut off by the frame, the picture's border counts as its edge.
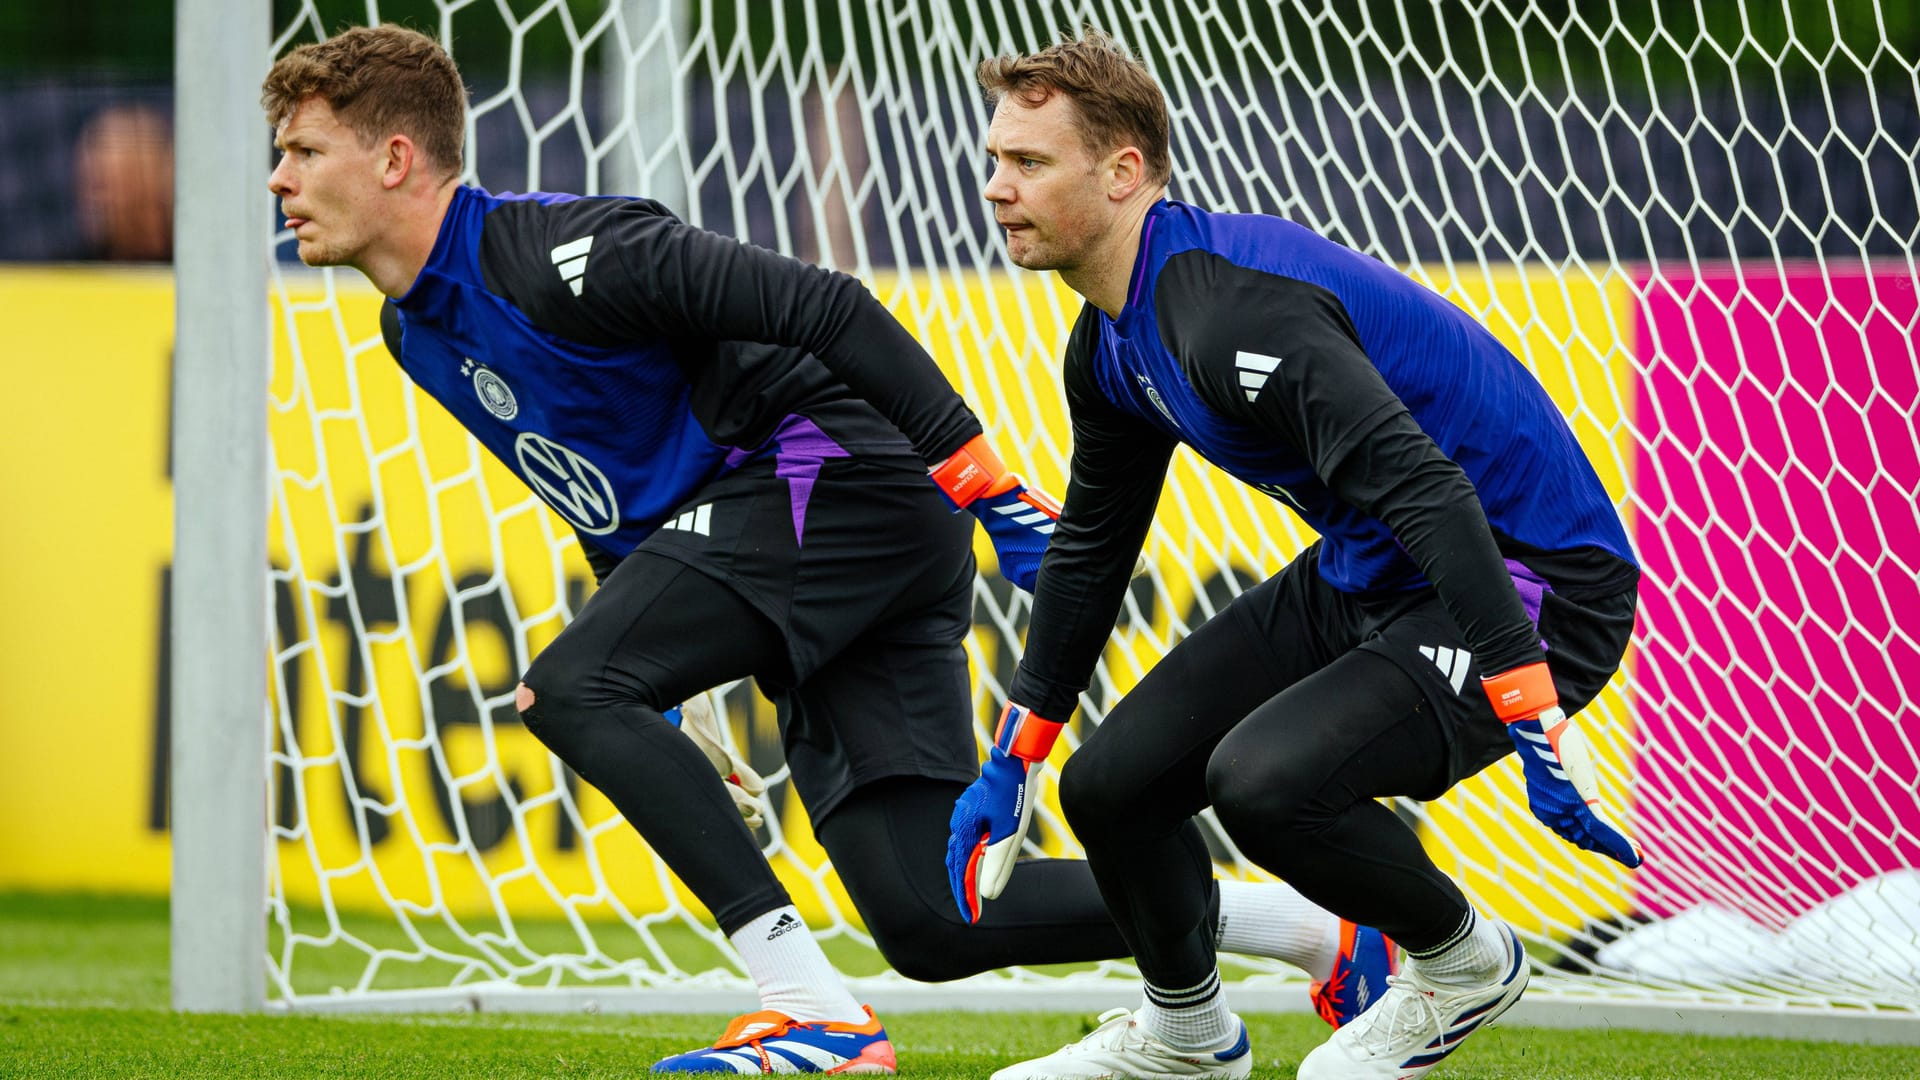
(86, 112)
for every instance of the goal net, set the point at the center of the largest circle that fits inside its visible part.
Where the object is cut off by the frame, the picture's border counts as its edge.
(1694, 223)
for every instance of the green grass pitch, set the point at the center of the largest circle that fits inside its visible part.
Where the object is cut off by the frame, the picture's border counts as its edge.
(83, 993)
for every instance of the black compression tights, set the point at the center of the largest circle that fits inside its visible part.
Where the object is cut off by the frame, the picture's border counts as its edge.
(655, 634)
(648, 639)
(888, 842)
(1293, 781)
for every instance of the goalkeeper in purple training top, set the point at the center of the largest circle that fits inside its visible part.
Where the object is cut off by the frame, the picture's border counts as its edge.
(1471, 589)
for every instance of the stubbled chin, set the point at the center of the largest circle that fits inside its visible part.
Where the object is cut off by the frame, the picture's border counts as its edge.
(1027, 258)
(313, 253)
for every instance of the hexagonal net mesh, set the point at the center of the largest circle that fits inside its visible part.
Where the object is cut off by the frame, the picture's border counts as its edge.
(1697, 230)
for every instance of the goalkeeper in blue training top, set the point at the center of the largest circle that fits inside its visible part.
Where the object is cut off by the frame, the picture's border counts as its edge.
(723, 427)
(1471, 589)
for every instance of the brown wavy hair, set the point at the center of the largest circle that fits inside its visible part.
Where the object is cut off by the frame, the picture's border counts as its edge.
(1118, 101)
(379, 81)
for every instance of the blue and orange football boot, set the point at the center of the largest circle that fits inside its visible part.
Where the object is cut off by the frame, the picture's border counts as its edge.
(1359, 977)
(771, 1042)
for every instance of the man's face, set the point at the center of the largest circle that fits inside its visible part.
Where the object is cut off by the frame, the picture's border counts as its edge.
(329, 184)
(1047, 190)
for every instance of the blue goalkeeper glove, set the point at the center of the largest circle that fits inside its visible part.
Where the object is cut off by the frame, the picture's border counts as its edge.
(1018, 519)
(990, 818)
(1558, 763)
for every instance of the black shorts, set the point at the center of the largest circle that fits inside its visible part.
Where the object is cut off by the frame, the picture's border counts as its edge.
(868, 572)
(1309, 623)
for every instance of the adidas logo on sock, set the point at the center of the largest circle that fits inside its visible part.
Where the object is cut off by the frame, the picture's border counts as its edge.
(783, 924)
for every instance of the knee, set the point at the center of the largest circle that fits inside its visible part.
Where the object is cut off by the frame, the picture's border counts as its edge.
(1255, 794)
(547, 697)
(921, 943)
(546, 714)
(585, 671)
(926, 958)
(1088, 797)
(562, 695)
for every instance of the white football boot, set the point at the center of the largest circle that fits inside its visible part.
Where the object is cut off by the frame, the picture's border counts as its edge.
(1121, 1047)
(1416, 1023)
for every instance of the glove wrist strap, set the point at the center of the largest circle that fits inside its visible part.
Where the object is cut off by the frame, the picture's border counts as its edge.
(1023, 735)
(1522, 693)
(973, 470)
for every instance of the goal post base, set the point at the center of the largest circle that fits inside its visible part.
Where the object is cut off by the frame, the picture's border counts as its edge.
(1872, 1026)
(887, 995)
(1549, 1009)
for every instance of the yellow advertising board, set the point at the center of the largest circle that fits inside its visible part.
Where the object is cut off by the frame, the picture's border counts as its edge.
(414, 577)
(83, 557)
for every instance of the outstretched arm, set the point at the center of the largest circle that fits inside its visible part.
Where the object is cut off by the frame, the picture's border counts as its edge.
(648, 275)
(643, 274)
(1119, 464)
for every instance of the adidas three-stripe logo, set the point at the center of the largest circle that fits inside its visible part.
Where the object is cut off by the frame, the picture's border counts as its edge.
(571, 258)
(1542, 748)
(693, 521)
(1255, 370)
(1034, 518)
(1451, 662)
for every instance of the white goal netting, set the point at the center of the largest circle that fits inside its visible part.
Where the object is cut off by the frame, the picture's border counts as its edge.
(1697, 226)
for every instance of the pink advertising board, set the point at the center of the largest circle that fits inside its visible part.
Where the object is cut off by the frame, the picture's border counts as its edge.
(1778, 652)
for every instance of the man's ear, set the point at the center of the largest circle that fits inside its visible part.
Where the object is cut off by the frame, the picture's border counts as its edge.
(1126, 171)
(402, 157)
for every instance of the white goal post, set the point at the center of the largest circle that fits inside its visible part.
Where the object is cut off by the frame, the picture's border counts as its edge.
(1695, 223)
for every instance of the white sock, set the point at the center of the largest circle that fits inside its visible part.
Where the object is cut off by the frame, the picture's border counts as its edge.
(793, 975)
(1272, 919)
(1475, 954)
(1195, 1018)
